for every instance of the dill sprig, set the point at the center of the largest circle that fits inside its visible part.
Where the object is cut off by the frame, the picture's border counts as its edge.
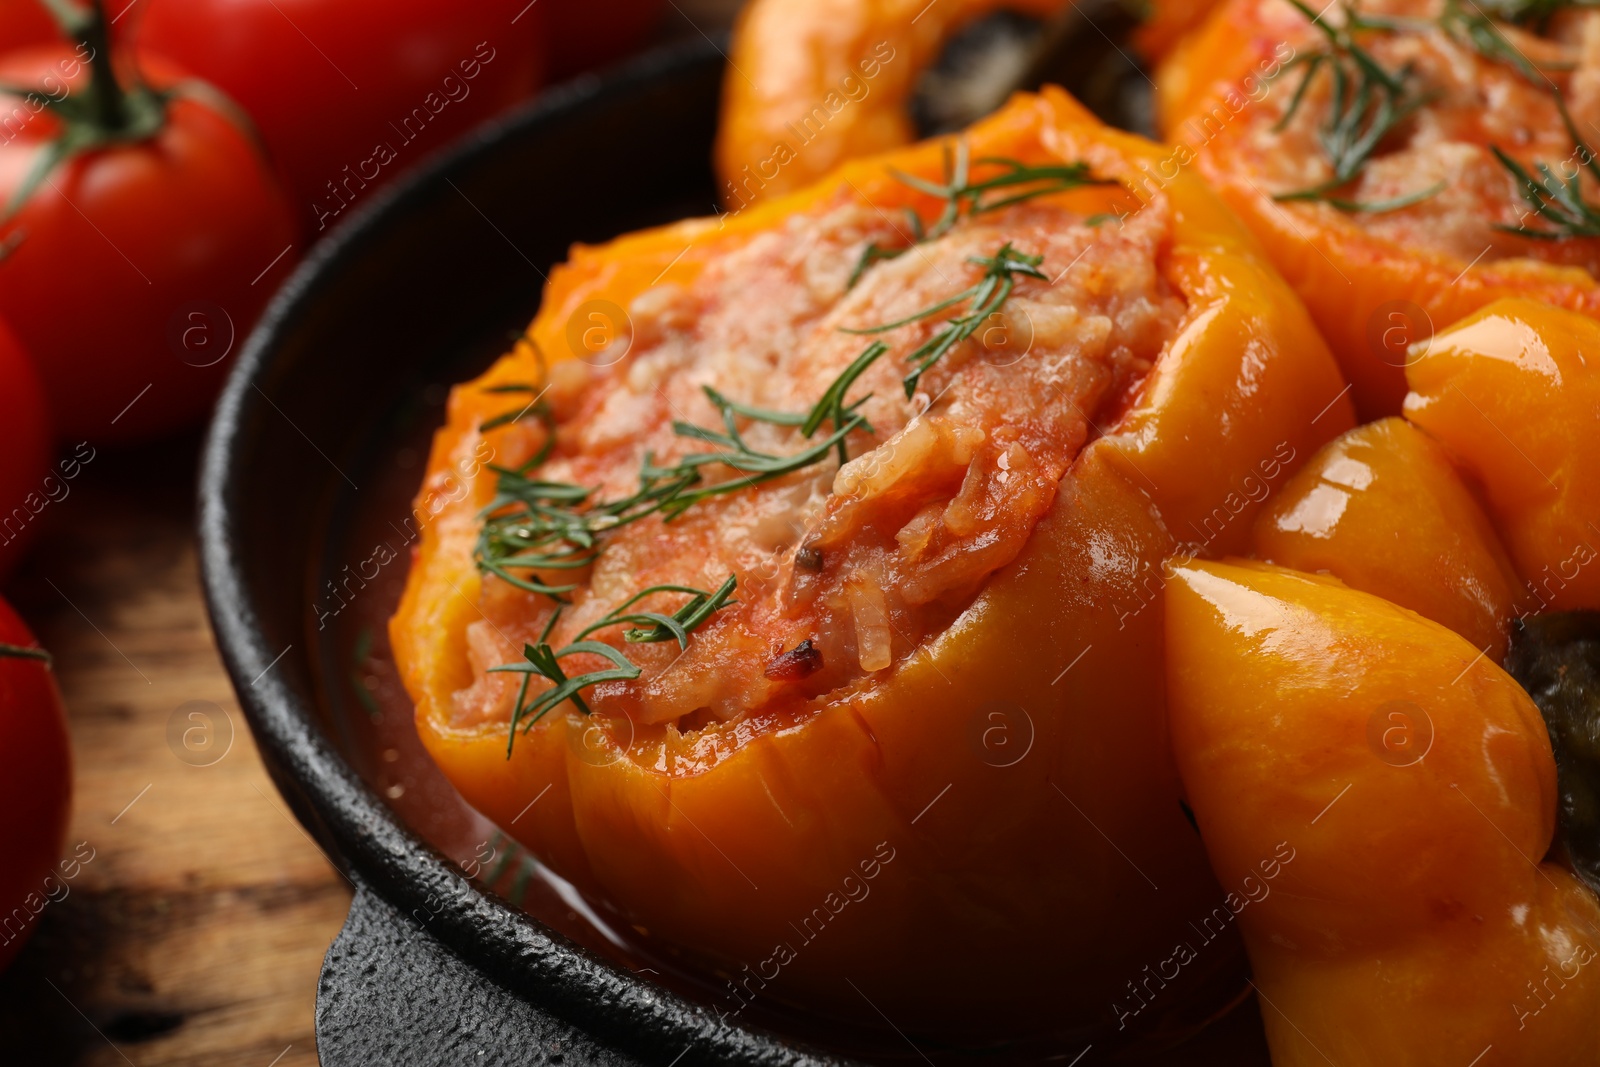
(832, 404)
(1474, 28)
(534, 525)
(1369, 102)
(1534, 13)
(1475, 24)
(541, 660)
(1000, 274)
(963, 197)
(874, 252)
(1559, 201)
(536, 406)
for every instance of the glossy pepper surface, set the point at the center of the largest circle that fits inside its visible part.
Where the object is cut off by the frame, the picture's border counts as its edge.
(1380, 797)
(1514, 391)
(1385, 510)
(815, 83)
(1007, 885)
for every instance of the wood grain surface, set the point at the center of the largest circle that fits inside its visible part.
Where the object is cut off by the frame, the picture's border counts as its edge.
(195, 934)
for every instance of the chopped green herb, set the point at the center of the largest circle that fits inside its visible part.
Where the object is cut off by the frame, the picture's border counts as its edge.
(535, 406)
(963, 197)
(983, 299)
(1559, 201)
(1369, 102)
(543, 661)
(535, 525)
(1471, 24)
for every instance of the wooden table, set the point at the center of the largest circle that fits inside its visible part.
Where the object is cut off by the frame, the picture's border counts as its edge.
(195, 935)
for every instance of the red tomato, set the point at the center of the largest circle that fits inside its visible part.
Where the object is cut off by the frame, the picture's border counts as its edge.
(134, 269)
(585, 34)
(347, 93)
(25, 22)
(25, 451)
(35, 786)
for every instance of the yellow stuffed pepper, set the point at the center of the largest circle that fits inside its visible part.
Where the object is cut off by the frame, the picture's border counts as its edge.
(1405, 162)
(812, 84)
(1514, 391)
(814, 557)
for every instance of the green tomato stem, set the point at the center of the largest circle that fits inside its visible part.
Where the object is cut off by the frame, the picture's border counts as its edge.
(108, 100)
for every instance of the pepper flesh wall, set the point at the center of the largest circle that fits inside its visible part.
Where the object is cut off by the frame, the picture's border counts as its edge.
(1385, 510)
(1514, 390)
(981, 694)
(1412, 782)
(828, 81)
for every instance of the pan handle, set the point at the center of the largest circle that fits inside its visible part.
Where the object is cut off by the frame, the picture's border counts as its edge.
(392, 994)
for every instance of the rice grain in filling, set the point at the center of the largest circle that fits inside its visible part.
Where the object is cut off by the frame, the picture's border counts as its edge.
(858, 564)
(1473, 102)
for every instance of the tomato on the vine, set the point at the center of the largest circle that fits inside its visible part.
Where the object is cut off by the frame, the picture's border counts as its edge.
(347, 93)
(144, 233)
(25, 22)
(35, 784)
(25, 450)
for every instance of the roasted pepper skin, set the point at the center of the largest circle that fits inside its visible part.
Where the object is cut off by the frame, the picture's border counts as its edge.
(1353, 282)
(1011, 894)
(1514, 390)
(1384, 510)
(813, 84)
(1393, 791)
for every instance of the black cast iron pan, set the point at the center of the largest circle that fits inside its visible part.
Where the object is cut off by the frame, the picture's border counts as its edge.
(430, 968)
(420, 289)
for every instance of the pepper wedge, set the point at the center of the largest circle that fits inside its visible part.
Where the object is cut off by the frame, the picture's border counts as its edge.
(1380, 796)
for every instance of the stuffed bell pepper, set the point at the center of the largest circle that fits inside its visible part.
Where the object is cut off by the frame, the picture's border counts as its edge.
(804, 602)
(1405, 162)
(1380, 797)
(812, 84)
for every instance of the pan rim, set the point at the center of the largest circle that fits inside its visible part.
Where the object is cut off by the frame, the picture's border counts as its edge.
(326, 794)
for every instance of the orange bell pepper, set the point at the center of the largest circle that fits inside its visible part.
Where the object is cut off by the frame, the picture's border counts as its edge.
(1515, 392)
(1425, 230)
(1384, 510)
(1377, 796)
(1167, 23)
(966, 887)
(812, 84)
